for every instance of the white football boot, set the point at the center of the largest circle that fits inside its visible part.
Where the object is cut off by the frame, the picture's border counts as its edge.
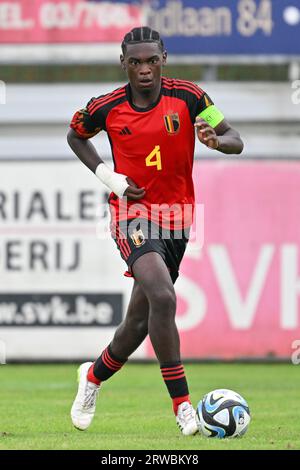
(84, 405)
(186, 419)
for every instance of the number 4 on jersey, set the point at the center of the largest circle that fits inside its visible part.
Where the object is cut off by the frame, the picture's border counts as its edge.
(154, 158)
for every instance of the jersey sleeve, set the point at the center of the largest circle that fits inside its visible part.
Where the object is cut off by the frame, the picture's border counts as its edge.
(203, 103)
(207, 110)
(199, 102)
(87, 123)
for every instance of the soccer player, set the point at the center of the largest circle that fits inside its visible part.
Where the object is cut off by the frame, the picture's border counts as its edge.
(151, 123)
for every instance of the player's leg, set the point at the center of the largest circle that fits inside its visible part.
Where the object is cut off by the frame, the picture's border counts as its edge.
(134, 328)
(128, 337)
(152, 274)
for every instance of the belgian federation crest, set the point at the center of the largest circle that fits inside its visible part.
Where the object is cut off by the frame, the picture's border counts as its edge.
(138, 238)
(172, 123)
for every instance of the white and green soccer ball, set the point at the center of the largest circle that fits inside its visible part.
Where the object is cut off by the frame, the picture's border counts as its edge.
(223, 413)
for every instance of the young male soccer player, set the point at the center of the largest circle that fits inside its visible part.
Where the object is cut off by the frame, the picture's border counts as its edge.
(151, 125)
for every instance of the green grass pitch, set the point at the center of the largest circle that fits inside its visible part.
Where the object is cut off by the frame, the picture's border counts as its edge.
(134, 410)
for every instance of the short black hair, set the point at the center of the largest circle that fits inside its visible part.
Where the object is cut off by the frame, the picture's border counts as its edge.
(141, 34)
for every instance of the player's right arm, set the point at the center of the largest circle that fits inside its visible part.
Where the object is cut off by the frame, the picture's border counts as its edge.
(84, 127)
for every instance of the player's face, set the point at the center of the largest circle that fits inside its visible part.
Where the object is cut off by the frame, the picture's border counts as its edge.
(143, 64)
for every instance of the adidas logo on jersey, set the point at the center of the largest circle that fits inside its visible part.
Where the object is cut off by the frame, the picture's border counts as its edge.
(125, 131)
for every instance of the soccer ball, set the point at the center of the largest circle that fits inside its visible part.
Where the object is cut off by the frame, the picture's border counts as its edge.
(223, 413)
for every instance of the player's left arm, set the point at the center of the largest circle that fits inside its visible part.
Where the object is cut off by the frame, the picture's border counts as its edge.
(212, 128)
(222, 137)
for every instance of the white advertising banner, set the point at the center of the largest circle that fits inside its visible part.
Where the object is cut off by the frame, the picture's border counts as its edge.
(62, 290)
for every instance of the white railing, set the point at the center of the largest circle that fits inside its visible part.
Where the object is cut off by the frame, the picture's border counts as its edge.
(34, 121)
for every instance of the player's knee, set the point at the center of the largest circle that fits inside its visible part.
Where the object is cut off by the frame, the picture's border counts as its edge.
(142, 327)
(163, 300)
(138, 324)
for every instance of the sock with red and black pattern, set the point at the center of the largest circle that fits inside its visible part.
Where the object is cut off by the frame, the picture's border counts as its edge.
(104, 367)
(175, 380)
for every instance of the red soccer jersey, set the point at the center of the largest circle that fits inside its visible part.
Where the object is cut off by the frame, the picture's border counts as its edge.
(154, 146)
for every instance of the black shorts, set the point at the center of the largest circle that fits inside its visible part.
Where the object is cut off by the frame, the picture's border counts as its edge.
(136, 237)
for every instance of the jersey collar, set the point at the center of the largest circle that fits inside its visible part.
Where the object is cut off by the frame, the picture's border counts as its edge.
(137, 108)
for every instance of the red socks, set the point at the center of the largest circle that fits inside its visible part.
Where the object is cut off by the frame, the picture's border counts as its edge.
(91, 377)
(105, 366)
(178, 400)
(175, 380)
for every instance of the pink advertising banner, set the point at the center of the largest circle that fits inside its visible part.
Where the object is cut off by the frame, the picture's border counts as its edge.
(67, 21)
(238, 295)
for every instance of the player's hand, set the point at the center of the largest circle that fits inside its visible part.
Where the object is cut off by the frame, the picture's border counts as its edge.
(206, 134)
(133, 192)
